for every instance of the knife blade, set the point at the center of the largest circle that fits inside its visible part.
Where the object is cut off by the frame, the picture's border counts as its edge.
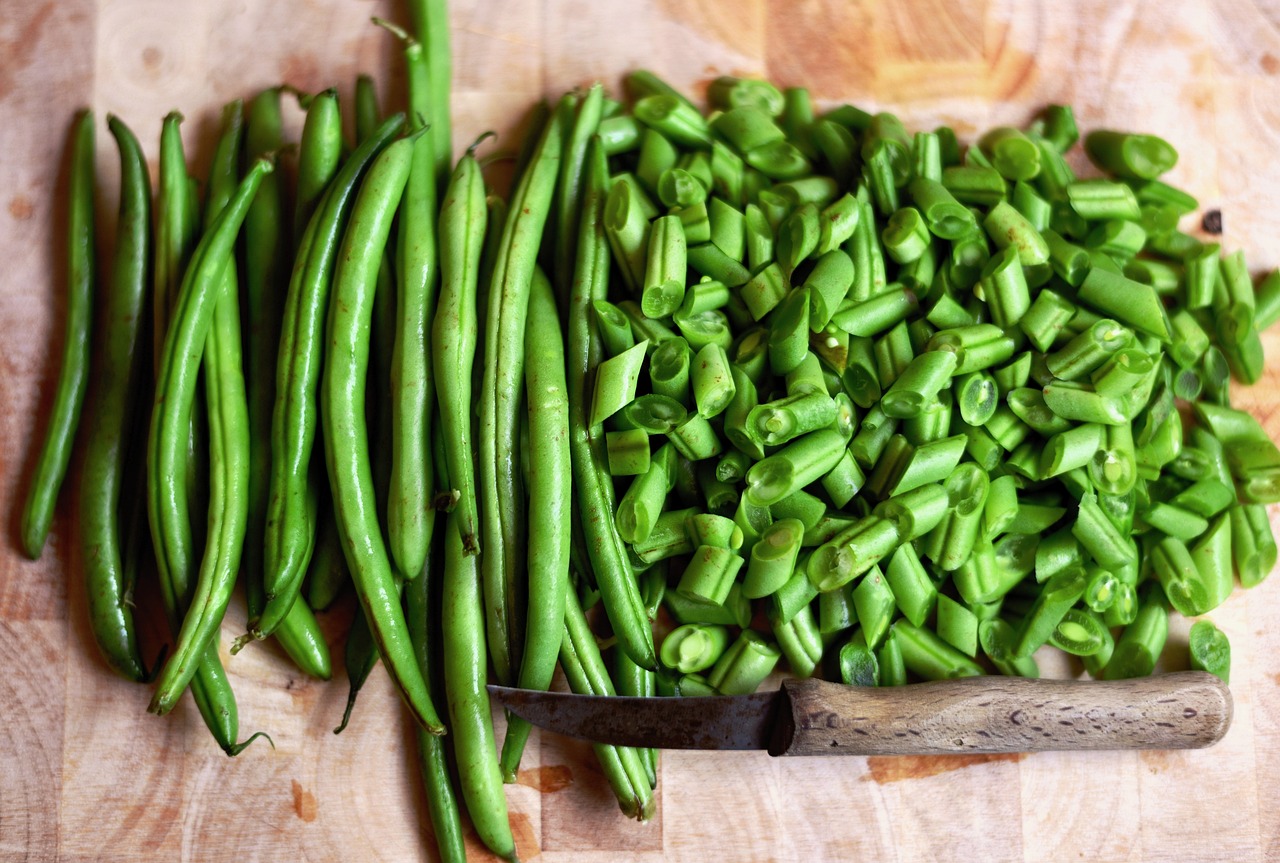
(1181, 710)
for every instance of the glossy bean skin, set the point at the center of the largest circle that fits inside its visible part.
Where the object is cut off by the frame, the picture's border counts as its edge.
(465, 674)
(498, 464)
(346, 436)
(410, 514)
(605, 551)
(291, 513)
(550, 477)
(265, 243)
(73, 378)
(113, 392)
(214, 306)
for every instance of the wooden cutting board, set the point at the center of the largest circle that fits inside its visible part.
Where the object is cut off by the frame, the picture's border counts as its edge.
(86, 774)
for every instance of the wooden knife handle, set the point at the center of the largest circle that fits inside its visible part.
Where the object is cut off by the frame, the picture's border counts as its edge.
(1183, 710)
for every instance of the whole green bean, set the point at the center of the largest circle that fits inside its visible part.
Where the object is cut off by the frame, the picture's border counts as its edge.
(210, 303)
(175, 229)
(470, 721)
(501, 499)
(319, 156)
(605, 550)
(455, 331)
(551, 474)
(423, 612)
(176, 219)
(569, 193)
(410, 516)
(291, 515)
(113, 392)
(73, 378)
(345, 434)
(431, 25)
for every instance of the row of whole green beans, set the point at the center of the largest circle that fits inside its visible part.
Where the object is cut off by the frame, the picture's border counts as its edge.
(767, 383)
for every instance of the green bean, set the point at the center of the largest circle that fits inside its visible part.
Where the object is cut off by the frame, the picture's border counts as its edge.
(801, 462)
(360, 655)
(974, 185)
(501, 511)
(1140, 644)
(713, 385)
(551, 473)
(997, 638)
(852, 552)
(710, 574)
(615, 328)
(319, 156)
(627, 228)
(1141, 157)
(176, 221)
(290, 528)
(175, 230)
(616, 381)
(893, 354)
(1051, 606)
(874, 316)
(694, 647)
(346, 437)
(423, 614)
(112, 394)
(213, 307)
(745, 665)
(638, 509)
(569, 191)
(800, 641)
(1103, 199)
(665, 267)
(926, 464)
(773, 558)
(1210, 649)
(464, 679)
(928, 656)
(747, 127)
(785, 419)
(918, 383)
(605, 549)
(455, 331)
(411, 482)
(859, 281)
(299, 634)
(1252, 545)
(762, 291)
(628, 452)
(431, 27)
(586, 674)
(828, 283)
(1267, 302)
(957, 626)
(73, 378)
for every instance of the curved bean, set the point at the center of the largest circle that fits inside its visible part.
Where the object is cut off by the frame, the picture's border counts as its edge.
(73, 379)
(291, 514)
(501, 498)
(117, 364)
(346, 437)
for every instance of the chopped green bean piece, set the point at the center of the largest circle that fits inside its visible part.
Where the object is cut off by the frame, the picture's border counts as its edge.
(1210, 650)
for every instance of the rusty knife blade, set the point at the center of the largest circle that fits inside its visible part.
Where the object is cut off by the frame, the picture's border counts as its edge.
(699, 722)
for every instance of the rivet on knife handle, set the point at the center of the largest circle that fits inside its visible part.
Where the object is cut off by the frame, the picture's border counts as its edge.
(1183, 710)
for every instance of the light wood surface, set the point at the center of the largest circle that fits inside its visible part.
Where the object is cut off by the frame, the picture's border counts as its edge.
(86, 774)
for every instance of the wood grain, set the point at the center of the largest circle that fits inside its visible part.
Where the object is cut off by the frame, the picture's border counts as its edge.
(1181, 710)
(86, 775)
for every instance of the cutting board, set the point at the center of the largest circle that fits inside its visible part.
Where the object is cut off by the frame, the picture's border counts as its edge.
(86, 774)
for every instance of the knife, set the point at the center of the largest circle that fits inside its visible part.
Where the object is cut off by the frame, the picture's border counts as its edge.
(1181, 710)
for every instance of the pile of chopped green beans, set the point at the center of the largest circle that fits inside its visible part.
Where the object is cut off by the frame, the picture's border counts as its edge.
(706, 393)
